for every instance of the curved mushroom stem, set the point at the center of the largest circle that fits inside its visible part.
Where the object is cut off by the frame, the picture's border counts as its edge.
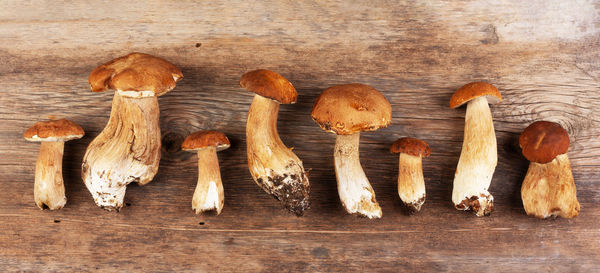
(411, 184)
(49, 189)
(127, 150)
(477, 161)
(548, 190)
(274, 167)
(209, 190)
(354, 188)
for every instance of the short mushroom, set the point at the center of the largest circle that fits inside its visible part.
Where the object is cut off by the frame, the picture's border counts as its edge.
(548, 189)
(128, 148)
(411, 185)
(479, 154)
(346, 110)
(49, 189)
(209, 189)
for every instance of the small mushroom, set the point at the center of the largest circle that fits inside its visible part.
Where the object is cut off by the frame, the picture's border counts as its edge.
(479, 154)
(548, 189)
(411, 185)
(49, 189)
(209, 189)
(346, 110)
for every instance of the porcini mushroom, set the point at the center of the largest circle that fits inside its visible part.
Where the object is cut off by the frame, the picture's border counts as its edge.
(479, 154)
(273, 166)
(346, 110)
(411, 184)
(209, 189)
(128, 149)
(548, 189)
(49, 188)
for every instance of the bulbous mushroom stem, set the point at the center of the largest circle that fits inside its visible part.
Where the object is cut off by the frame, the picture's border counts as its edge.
(49, 189)
(354, 188)
(477, 161)
(411, 184)
(209, 194)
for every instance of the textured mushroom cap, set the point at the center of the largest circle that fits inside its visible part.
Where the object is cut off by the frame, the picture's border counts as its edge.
(54, 130)
(269, 85)
(411, 146)
(350, 108)
(204, 139)
(474, 90)
(542, 141)
(136, 72)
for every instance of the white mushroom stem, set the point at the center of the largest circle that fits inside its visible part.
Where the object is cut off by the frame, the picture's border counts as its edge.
(548, 190)
(411, 184)
(354, 188)
(209, 193)
(477, 161)
(49, 189)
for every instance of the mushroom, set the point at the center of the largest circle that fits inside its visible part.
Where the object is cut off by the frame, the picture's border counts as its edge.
(49, 189)
(209, 189)
(411, 185)
(479, 154)
(273, 166)
(128, 149)
(548, 189)
(346, 110)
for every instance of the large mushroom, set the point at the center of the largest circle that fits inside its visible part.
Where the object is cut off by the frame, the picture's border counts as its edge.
(49, 188)
(479, 154)
(411, 184)
(128, 149)
(346, 110)
(273, 166)
(548, 189)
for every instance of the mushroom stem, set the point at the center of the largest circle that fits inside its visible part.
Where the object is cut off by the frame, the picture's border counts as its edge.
(548, 190)
(49, 189)
(477, 161)
(274, 167)
(209, 190)
(411, 184)
(354, 188)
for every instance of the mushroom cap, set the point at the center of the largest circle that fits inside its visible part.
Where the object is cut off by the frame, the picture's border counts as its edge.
(136, 72)
(269, 85)
(350, 108)
(542, 141)
(54, 130)
(204, 139)
(474, 90)
(411, 146)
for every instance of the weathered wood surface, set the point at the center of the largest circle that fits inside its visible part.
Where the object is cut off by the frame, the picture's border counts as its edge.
(544, 56)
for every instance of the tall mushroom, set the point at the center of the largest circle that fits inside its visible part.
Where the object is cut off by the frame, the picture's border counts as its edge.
(479, 154)
(128, 149)
(346, 110)
(49, 188)
(273, 166)
(548, 189)
(411, 184)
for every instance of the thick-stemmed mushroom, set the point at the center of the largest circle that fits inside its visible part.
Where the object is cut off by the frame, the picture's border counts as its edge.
(479, 154)
(49, 188)
(128, 148)
(273, 166)
(209, 193)
(411, 184)
(548, 189)
(346, 110)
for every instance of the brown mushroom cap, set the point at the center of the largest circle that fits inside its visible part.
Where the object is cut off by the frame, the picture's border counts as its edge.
(269, 85)
(204, 139)
(350, 108)
(474, 90)
(411, 146)
(542, 141)
(54, 130)
(136, 72)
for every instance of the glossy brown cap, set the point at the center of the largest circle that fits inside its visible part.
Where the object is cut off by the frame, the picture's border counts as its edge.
(350, 108)
(269, 85)
(204, 139)
(542, 141)
(474, 90)
(54, 130)
(136, 72)
(411, 146)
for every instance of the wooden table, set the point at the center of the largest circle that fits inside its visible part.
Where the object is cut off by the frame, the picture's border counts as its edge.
(544, 56)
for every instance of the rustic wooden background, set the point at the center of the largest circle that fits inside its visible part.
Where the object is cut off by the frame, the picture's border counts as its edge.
(544, 56)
